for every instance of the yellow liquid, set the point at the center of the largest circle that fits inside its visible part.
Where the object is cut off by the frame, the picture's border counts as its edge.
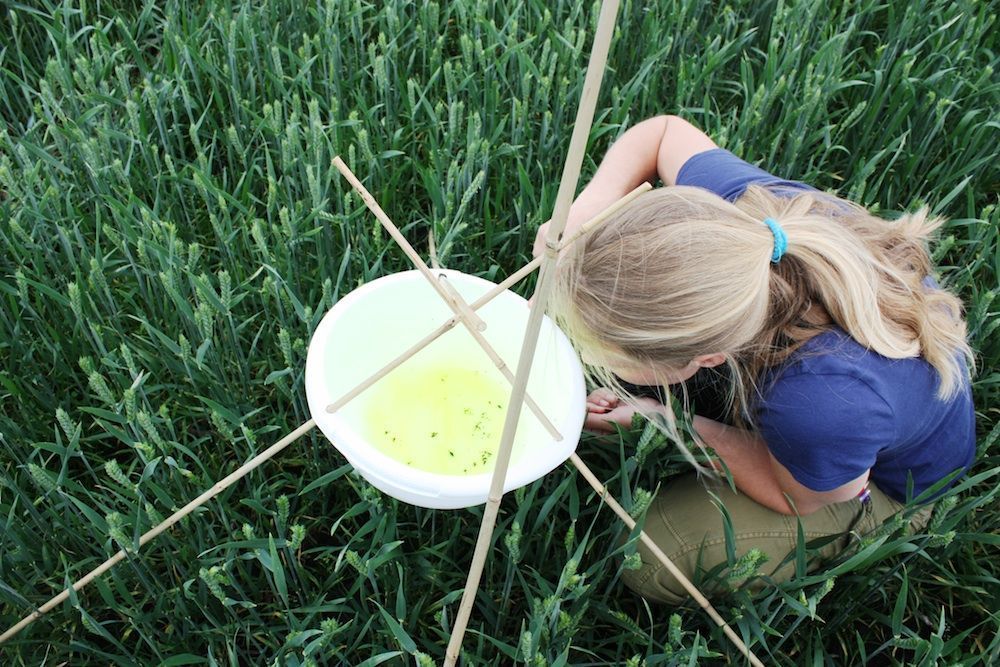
(442, 419)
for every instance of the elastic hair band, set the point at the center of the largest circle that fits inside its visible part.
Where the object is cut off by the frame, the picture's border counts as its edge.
(780, 240)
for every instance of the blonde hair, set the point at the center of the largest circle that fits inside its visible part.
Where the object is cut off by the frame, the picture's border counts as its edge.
(682, 272)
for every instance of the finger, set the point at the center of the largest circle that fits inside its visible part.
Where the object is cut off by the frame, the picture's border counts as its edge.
(597, 424)
(621, 415)
(539, 245)
(598, 409)
(604, 396)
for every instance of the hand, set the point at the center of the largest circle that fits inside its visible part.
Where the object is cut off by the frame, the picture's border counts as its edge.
(580, 212)
(605, 409)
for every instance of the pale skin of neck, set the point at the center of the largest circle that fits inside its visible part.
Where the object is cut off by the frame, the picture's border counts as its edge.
(655, 149)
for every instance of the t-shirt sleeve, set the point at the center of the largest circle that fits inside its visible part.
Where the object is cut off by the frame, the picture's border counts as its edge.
(728, 176)
(825, 429)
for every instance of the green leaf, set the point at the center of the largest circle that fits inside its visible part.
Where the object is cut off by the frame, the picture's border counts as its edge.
(274, 375)
(182, 659)
(379, 659)
(326, 478)
(405, 642)
(900, 606)
(277, 570)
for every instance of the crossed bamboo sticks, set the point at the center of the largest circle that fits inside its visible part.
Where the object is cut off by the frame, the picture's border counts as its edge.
(465, 313)
(308, 425)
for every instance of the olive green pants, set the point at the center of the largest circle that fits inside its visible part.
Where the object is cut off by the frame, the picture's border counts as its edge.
(686, 523)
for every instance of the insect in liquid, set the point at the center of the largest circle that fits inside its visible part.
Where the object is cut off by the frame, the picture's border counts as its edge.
(442, 419)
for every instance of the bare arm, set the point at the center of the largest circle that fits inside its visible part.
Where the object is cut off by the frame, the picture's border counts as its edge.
(656, 147)
(755, 471)
(759, 475)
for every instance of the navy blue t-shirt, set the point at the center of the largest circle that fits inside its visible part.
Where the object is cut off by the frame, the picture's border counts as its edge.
(836, 408)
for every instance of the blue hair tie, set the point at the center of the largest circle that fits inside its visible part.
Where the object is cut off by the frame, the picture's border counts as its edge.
(780, 240)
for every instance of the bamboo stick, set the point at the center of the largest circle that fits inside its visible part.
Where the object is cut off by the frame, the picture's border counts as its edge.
(219, 486)
(459, 311)
(606, 496)
(308, 425)
(567, 188)
(468, 314)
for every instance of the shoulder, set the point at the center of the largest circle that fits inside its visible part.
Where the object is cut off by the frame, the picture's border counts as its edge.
(829, 388)
(832, 352)
(822, 416)
(829, 370)
(728, 176)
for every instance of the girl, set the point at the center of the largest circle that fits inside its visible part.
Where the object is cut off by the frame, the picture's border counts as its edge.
(848, 391)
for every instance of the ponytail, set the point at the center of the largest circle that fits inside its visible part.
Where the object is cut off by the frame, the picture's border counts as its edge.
(870, 276)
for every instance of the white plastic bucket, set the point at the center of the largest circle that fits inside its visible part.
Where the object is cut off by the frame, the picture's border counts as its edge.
(375, 323)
